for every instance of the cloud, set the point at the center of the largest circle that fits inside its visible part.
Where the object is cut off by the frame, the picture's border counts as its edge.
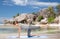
(44, 3)
(7, 2)
(35, 7)
(20, 2)
(29, 2)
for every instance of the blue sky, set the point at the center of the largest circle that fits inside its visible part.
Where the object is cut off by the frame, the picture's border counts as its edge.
(9, 8)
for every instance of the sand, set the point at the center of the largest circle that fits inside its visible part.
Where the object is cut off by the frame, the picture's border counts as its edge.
(41, 35)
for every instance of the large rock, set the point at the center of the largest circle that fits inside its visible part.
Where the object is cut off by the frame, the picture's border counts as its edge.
(24, 17)
(44, 12)
(21, 17)
(44, 21)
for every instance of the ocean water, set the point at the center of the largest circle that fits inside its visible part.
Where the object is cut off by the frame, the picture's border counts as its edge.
(8, 30)
(15, 30)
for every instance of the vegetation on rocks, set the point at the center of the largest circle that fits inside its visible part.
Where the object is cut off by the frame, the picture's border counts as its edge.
(50, 19)
(58, 9)
(40, 18)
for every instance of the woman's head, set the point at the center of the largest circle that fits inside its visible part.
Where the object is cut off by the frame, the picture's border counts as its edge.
(15, 22)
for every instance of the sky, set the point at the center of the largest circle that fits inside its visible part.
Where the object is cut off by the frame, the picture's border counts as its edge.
(9, 8)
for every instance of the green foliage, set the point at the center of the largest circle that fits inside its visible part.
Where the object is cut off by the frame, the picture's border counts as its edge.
(58, 6)
(40, 18)
(50, 19)
(14, 16)
(34, 13)
(17, 14)
(58, 9)
(51, 11)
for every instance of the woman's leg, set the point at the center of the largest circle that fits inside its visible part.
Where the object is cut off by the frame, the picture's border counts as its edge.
(29, 32)
(19, 30)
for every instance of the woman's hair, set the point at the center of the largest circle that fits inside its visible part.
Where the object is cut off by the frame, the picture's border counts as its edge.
(15, 22)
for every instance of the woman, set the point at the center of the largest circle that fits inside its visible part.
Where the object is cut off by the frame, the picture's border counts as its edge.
(29, 21)
(15, 23)
(29, 29)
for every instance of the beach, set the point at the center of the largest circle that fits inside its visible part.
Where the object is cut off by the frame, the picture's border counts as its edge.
(10, 32)
(42, 36)
(29, 19)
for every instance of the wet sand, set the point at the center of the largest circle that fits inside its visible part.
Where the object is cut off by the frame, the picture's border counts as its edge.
(46, 36)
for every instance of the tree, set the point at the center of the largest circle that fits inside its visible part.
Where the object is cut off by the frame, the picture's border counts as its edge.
(50, 19)
(14, 16)
(58, 9)
(34, 13)
(51, 15)
(40, 18)
(51, 11)
(17, 14)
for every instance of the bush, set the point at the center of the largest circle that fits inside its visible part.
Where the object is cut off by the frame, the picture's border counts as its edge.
(50, 19)
(40, 18)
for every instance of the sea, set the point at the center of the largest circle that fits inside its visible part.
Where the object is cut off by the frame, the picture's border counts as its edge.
(8, 30)
(14, 30)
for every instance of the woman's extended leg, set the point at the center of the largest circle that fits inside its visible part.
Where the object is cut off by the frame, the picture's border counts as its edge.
(19, 30)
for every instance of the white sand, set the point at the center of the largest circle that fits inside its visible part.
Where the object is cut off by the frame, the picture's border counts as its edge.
(42, 36)
(6, 35)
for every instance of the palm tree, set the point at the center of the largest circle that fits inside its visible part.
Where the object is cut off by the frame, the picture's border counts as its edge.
(17, 14)
(51, 15)
(51, 11)
(58, 9)
(14, 16)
